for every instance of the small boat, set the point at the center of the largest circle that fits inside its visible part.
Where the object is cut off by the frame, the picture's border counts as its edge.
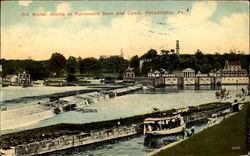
(164, 125)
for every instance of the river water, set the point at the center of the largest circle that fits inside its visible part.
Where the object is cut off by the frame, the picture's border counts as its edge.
(139, 102)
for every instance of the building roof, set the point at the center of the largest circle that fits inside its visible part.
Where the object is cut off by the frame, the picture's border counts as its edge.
(234, 63)
(188, 70)
(10, 76)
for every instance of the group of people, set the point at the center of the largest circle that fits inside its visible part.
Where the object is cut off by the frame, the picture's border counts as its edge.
(163, 124)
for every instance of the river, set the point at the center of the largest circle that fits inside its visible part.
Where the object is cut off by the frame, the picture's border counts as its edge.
(139, 102)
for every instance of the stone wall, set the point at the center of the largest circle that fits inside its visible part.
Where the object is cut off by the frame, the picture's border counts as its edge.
(68, 141)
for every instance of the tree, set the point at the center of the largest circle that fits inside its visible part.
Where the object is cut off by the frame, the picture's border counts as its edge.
(71, 77)
(150, 54)
(71, 64)
(134, 62)
(146, 67)
(89, 65)
(166, 52)
(57, 63)
(114, 64)
(222, 94)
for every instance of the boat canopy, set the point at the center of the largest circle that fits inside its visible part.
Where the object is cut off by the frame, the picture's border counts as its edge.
(147, 120)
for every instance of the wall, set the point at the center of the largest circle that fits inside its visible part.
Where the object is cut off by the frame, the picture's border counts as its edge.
(69, 141)
(234, 80)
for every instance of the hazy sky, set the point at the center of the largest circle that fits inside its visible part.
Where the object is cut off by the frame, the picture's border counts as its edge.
(208, 26)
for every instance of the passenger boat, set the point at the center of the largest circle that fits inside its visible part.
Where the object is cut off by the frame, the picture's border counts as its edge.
(164, 125)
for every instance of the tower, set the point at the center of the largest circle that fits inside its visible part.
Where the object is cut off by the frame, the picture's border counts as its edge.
(177, 47)
(121, 54)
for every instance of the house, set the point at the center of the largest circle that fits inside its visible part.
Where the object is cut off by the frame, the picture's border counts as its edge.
(156, 73)
(11, 79)
(129, 74)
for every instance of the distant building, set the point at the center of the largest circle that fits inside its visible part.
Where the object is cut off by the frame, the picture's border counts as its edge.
(129, 74)
(203, 79)
(171, 79)
(11, 79)
(234, 74)
(156, 73)
(108, 56)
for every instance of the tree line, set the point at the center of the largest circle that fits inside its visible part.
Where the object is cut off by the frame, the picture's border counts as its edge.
(59, 66)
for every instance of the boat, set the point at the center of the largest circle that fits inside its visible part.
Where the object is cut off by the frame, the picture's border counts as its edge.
(164, 125)
(38, 83)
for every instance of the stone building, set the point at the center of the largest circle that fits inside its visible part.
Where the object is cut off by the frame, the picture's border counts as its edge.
(189, 77)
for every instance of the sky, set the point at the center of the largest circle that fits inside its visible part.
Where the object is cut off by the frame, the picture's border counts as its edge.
(85, 29)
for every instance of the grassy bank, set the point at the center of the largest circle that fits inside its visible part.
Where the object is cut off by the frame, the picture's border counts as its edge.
(227, 138)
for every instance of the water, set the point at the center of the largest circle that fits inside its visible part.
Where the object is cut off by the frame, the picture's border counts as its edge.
(17, 92)
(140, 102)
(131, 146)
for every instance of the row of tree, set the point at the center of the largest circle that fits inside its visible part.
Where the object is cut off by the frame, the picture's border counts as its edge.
(58, 65)
(199, 61)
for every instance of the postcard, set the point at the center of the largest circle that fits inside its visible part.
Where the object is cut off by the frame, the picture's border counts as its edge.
(124, 78)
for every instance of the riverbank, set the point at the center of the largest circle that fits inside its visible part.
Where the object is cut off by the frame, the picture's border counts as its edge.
(227, 138)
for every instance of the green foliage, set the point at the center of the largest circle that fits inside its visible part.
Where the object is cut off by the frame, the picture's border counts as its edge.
(146, 67)
(71, 64)
(114, 64)
(57, 63)
(222, 94)
(89, 65)
(71, 77)
(134, 62)
(150, 54)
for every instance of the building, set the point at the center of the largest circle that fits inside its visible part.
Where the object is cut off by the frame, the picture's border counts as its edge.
(156, 73)
(189, 77)
(233, 73)
(171, 79)
(11, 79)
(129, 75)
(203, 79)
